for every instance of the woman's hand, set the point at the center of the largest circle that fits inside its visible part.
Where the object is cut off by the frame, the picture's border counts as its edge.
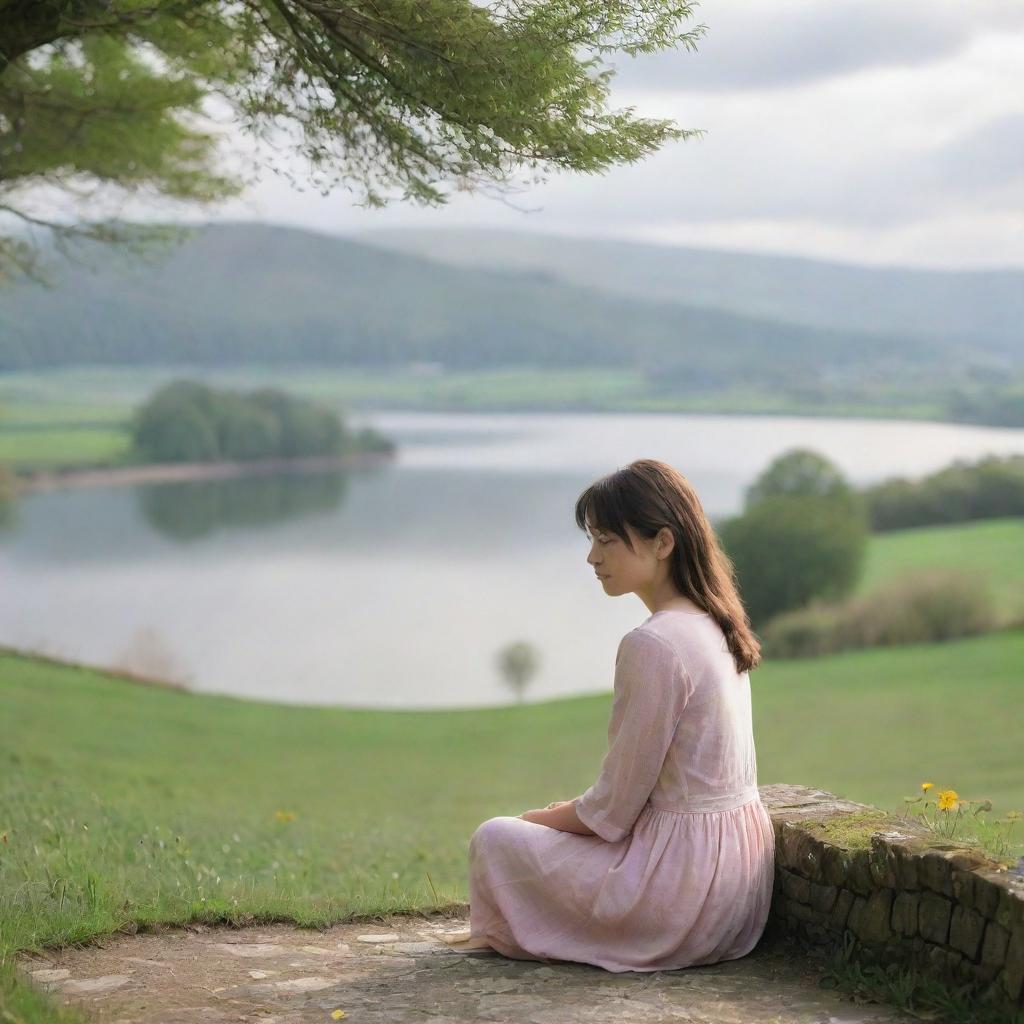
(560, 815)
(539, 816)
(535, 815)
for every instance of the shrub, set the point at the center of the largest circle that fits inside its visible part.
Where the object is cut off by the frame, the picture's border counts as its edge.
(367, 439)
(802, 633)
(788, 549)
(245, 431)
(924, 607)
(304, 428)
(169, 432)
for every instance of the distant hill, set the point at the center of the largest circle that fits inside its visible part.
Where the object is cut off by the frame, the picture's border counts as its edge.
(982, 310)
(246, 293)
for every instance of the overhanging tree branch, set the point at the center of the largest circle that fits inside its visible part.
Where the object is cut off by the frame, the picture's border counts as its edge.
(401, 99)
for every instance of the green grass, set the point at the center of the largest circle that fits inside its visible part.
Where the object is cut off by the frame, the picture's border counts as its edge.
(47, 414)
(124, 802)
(993, 547)
(47, 431)
(49, 448)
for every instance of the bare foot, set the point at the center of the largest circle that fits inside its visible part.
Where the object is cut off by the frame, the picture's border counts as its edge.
(465, 940)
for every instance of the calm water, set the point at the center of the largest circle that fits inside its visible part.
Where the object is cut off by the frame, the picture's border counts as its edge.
(395, 587)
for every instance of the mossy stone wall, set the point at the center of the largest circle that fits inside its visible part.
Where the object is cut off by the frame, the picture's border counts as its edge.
(850, 874)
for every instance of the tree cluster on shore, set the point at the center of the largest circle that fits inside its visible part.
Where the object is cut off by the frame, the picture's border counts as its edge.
(962, 492)
(186, 421)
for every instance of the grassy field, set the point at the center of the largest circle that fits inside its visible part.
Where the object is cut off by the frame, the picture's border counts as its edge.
(78, 416)
(993, 547)
(41, 429)
(63, 446)
(125, 802)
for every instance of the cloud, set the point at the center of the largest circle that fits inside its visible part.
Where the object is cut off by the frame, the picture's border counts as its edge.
(757, 46)
(989, 157)
(887, 146)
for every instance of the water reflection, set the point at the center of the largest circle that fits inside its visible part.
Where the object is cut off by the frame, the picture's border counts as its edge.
(185, 511)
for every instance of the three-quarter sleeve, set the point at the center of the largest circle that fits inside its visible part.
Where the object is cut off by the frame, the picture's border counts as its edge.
(651, 690)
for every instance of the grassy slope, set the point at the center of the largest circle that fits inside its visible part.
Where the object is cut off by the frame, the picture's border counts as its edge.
(382, 792)
(121, 801)
(994, 547)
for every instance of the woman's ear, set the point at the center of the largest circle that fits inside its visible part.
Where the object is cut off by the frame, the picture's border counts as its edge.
(666, 541)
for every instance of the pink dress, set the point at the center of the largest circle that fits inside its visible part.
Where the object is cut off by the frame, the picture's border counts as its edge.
(680, 871)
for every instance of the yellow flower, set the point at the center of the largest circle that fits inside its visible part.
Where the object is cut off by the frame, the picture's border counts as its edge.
(947, 799)
(927, 785)
(284, 815)
(338, 1014)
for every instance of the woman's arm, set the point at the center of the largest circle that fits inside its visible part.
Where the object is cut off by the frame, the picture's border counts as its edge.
(651, 690)
(560, 815)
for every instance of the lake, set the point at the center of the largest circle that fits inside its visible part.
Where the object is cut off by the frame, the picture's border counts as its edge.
(396, 586)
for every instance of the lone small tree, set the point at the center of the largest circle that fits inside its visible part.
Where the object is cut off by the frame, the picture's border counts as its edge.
(407, 99)
(518, 662)
(6, 496)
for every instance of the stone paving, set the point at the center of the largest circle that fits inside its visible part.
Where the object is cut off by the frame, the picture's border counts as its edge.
(400, 970)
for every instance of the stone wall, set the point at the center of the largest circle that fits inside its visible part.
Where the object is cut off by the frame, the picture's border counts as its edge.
(848, 873)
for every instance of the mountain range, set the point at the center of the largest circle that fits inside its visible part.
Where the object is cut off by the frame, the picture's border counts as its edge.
(242, 293)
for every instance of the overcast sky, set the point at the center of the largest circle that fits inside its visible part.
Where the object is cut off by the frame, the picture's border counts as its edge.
(875, 131)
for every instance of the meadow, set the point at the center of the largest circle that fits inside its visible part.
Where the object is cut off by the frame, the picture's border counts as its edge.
(992, 547)
(126, 802)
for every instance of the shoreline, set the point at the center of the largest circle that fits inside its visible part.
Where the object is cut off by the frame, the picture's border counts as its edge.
(157, 472)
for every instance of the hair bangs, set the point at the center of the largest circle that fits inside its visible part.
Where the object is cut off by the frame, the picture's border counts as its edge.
(602, 505)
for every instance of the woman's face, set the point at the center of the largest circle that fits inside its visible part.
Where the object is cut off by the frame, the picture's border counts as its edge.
(621, 571)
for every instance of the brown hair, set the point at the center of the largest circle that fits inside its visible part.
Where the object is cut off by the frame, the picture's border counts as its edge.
(649, 494)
